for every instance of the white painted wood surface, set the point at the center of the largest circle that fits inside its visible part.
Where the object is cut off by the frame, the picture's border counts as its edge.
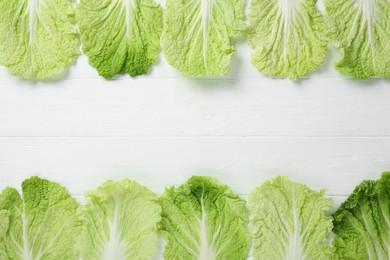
(326, 131)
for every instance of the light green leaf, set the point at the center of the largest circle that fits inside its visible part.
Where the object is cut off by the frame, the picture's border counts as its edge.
(362, 222)
(361, 31)
(203, 219)
(197, 35)
(43, 224)
(289, 221)
(287, 37)
(38, 38)
(120, 36)
(4, 223)
(120, 222)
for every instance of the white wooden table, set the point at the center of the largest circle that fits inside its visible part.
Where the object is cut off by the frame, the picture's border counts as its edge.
(326, 131)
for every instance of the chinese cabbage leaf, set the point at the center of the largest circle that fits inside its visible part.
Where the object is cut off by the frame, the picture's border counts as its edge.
(287, 37)
(289, 221)
(197, 35)
(203, 219)
(120, 222)
(38, 38)
(41, 224)
(120, 36)
(362, 222)
(360, 29)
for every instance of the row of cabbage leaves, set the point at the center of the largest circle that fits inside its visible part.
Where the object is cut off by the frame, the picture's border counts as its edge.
(202, 220)
(39, 39)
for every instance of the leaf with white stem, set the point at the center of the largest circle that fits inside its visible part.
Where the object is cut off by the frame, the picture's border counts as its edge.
(197, 35)
(120, 222)
(288, 221)
(204, 220)
(286, 37)
(120, 36)
(362, 222)
(41, 225)
(38, 38)
(360, 29)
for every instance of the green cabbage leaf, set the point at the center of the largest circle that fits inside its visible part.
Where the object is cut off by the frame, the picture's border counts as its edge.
(360, 29)
(120, 221)
(362, 222)
(203, 219)
(41, 224)
(286, 37)
(4, 224)
(120, 36)
(38, 38)
(197, 35)
(289, 221)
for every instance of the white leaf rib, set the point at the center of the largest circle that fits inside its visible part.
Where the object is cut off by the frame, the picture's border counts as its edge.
(206, 251)
(206, 13)
(368, 13)
(285, 229)
(191, 14)
(189, 236)
(129, 5)
(368, 229)
(27, 253)
(17, 245)
(32, 9)
(215, 236)
(109, 11)
(224, 245)
(191, 46)
(18, 16)
(287, 10)
(100, 242)
(195, 25)
(294, 250)
(354, 23)
(387, 221)
(113, 248)
(277, 239)
(216, 29)
(189, 3)
(45, 219)
(51, 242)
(275, 32)
(362, 233)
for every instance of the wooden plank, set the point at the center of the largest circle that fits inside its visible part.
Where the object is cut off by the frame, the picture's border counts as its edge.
(337, 164)
(183, 107)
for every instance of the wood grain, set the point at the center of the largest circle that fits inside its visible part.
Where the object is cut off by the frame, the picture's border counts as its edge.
(184, 107)
(326, 131)
(337, 164)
